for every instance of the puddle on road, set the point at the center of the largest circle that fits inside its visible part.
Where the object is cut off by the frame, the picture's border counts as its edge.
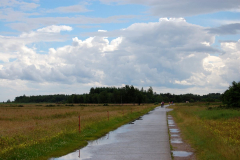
(174, 131)
(140, 118)
(170, 122)
(176, 140)
(181, 153)
(174, 135)
(85, 153)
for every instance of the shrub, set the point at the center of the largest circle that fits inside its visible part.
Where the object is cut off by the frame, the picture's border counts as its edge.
(50, 105)
(231, 97)
(209, 108)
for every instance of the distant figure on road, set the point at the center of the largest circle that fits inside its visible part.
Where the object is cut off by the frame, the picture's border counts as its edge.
(162, 104)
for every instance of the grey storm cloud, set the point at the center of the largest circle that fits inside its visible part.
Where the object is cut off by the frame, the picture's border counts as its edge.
(28, 24)
(71, 9)
(183, 8)
(228, 29)
(23, 21)
(17, 3)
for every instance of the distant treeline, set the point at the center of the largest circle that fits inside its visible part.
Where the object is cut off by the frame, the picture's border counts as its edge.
(127, 94)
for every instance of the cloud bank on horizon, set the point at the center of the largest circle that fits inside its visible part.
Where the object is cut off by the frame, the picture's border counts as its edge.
(49, 48)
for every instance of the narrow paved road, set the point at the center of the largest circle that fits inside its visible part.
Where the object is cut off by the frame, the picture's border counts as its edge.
(145, 139)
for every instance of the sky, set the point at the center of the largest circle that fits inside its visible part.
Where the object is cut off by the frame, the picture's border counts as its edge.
(67, 47)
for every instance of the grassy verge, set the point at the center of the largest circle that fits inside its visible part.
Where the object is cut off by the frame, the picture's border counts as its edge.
(212, 131)
(44, 132)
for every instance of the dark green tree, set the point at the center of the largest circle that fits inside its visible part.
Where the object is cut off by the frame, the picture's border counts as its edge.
(140, 98)
(103, 97)
(231, 97)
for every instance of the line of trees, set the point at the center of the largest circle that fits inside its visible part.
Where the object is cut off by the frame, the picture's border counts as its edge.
(42, 98)
(126, 94)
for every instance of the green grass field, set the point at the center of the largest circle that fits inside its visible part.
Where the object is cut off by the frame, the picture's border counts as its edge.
(212, 131)
(41, 131)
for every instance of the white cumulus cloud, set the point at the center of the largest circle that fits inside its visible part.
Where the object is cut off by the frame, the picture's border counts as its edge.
(171, 53)
(55, 29)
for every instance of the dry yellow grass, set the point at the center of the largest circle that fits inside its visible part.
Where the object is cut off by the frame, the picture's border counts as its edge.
(33, 123)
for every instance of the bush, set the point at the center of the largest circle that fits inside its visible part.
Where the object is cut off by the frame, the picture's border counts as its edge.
(105, 104)
(50, 105)
(191, 100)
(156, 103)
(209, 108)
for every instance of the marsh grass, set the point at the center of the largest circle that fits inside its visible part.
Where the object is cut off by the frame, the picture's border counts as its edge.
(214, 133)
(40, 132)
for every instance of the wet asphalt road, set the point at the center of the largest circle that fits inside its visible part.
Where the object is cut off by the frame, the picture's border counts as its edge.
(145, 139)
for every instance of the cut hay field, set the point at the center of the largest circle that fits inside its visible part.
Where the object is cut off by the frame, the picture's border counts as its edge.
(40, 131)
(213, 131)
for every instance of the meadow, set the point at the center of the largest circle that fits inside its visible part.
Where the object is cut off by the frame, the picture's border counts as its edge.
(41, 131)
(213, 131)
